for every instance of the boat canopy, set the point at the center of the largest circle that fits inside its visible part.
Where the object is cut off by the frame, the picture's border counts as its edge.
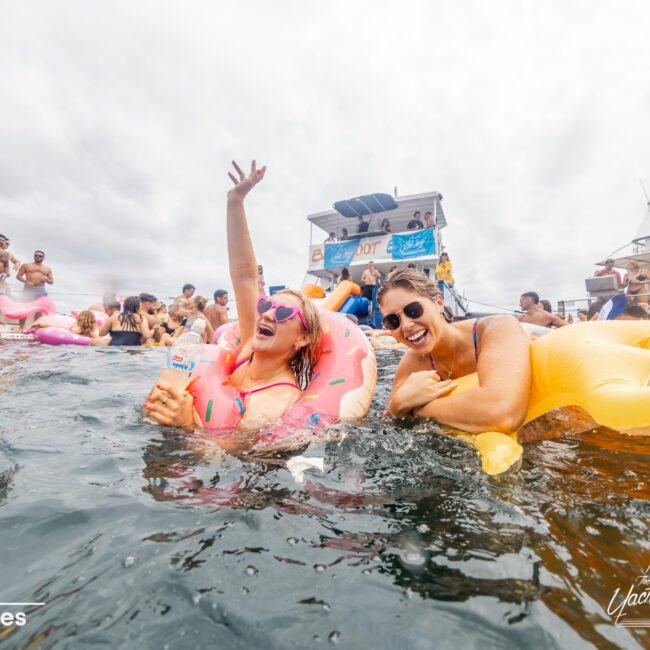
(404, 206)
(362, 206)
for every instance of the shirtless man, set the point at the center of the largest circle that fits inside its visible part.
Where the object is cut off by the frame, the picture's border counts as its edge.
(35, 274)
(369, 279)
(217, 314)
(148, 306)
(534, 313)
(4, 269)
(188, 291)
(636, 281)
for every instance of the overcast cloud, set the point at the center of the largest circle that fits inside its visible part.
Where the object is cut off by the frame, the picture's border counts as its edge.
(118, 121)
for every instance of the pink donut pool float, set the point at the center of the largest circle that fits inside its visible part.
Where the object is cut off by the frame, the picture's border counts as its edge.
(60, 336)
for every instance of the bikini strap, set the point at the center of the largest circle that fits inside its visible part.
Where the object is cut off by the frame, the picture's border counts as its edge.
(475, 338)
(241, 363)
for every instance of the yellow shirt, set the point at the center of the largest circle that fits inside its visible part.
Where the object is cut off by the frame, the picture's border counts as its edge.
(443, 271)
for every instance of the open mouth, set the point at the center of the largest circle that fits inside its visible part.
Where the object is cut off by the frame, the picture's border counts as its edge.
(417, 338)
(265, 331)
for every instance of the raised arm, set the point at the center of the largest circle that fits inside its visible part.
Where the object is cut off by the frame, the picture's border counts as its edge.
(48, 276)
(241, 256)
(106, 327)
(501, 401)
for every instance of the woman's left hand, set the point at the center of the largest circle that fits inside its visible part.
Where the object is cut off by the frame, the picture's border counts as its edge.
(170, 408)
(244, 184)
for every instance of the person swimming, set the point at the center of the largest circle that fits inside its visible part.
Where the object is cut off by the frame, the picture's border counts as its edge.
(440, 351)
(280, 336)
(127, 327)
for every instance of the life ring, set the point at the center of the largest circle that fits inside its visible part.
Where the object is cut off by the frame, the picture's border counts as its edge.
(601, 366)
(380, 340)
(60, 336)
(342, 386)
(19, 310)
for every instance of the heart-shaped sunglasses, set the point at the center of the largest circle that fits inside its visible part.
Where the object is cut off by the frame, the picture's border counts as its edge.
(282, 313)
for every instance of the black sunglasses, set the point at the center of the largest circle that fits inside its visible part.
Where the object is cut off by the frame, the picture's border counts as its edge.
(412, 310)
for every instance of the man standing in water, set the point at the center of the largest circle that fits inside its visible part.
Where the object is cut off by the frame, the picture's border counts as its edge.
(535, 314)
(35, 274)
(217, 314)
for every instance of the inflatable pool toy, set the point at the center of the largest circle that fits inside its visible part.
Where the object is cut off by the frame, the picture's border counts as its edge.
(342, 292)
(382, 340)
(19, 310)
(60, 336)
(52, 320)
(602, 367)
(220, 330)
(342, 386)
(312, 291)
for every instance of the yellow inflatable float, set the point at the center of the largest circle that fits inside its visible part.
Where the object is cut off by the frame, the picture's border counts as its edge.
(601, 366)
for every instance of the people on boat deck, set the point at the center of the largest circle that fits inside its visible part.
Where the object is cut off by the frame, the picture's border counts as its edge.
(362, 225)
(217, 314)
(636, 283)
(280, 336)
(385, 225)
(428, 220)
(187, 292)
(128, 327)
(393, 270)
(11, 259)
(369, 280)
(331, 239)
(609, 270)
(344, 233)
(444, 272)
(439, 351)
(345, 275)
(416, 222)
(534, 312)
(35, 275)
(583, 315)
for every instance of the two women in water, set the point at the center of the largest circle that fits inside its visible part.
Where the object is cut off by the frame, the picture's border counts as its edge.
(281, 341)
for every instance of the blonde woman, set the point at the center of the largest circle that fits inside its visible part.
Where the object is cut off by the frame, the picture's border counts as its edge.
(280, 336)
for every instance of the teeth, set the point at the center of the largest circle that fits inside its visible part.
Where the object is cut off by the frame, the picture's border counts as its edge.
(417, 335)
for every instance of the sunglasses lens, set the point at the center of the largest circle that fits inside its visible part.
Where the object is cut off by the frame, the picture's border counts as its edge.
(283, 313)
(414, 310)
(263, 306)
(391, 322)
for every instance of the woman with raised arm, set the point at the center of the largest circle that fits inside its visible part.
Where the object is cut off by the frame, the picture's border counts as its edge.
(280, 336)
(440, 351)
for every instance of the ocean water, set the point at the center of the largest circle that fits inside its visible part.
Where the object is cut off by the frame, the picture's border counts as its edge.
(139, 536)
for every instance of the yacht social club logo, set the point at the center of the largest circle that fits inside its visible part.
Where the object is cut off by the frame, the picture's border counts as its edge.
(626, 607)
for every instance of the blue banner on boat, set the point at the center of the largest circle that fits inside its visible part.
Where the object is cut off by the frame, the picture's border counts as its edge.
(413, 244)
(340, 254)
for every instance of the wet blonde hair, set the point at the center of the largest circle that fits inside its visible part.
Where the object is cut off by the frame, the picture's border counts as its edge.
(86, 322)
(305, 359)
(412, 280)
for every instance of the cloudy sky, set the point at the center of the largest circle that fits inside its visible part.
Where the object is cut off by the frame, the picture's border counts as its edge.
(118, 121)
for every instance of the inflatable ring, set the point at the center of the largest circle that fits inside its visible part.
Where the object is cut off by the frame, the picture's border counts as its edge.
(52, 320)
(60, 336)
(18, 310)
(380, 340)
(342, 386)
(601, 366)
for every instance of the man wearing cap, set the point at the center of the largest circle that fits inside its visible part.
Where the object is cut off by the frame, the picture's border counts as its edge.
(609, 270)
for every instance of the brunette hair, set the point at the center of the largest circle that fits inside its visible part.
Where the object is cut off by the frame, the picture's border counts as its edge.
(129, 316)
(412, 280)
(304, 361)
